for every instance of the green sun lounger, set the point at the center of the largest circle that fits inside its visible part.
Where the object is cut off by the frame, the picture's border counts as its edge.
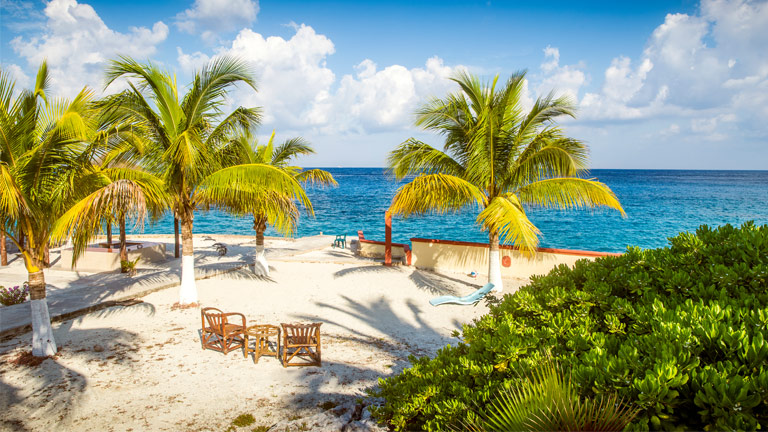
(466, 300)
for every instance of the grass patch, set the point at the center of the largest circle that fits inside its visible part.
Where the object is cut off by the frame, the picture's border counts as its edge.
(243, 420)
(260, 429)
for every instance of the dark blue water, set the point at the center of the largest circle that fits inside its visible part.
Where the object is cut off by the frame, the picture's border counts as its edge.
(659, 204)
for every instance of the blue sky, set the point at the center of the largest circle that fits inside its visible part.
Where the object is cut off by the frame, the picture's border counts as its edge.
(660, 84)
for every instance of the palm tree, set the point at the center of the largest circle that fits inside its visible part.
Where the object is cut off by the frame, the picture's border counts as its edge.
(183, 136)
(126, 193)
(499, 158)
(44, 165)
(276, 209)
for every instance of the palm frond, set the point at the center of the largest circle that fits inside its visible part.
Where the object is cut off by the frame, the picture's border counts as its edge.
(289, 150)
(316, 177)
(239, 184)
(85, 218)
(439, 193)
(414, 157)
(12, 202)
(506, 216)
(210, 85)
(569, 193)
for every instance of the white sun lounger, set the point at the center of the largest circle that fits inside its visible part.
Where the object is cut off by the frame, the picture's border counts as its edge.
(466, 300)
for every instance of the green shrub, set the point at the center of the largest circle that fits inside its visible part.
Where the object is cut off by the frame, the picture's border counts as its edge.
(547, 400)
(680, 332)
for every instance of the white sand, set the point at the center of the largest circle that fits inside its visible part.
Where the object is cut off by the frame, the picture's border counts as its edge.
(153, 375)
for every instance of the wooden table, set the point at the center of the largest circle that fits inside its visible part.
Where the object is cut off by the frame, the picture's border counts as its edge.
(261, 333)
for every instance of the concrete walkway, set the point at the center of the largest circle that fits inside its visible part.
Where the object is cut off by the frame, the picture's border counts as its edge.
(71, 293)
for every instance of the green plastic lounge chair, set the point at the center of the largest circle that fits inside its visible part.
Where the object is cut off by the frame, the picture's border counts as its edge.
(341, 241)
(469, 299)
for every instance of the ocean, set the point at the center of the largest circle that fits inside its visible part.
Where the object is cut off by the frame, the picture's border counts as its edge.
(659, 204)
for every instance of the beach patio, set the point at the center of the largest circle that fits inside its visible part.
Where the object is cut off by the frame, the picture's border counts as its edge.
(148, 351)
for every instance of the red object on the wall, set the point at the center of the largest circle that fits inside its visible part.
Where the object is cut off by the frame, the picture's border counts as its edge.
(506, 261)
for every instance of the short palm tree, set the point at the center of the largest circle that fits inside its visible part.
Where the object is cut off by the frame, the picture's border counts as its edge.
(44, 166)
(275, 209)
(498, 157)
(184, 135)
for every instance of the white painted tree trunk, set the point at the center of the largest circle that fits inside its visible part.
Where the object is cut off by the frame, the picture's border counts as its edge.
(260, 264)
(494, 270)
(188, 288)
(43, 343)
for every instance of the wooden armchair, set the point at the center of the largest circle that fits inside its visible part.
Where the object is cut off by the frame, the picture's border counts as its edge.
(302, 341)
(218, 333)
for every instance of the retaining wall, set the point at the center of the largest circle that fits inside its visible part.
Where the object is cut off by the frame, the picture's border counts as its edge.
(465, 257)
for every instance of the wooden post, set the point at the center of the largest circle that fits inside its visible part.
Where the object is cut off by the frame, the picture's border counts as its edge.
(3, 250)
(109, 235)
(176, 234)
(388, 239)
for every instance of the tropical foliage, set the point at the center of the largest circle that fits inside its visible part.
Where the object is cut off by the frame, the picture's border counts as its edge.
(45, 165)
(498, 157)
(546, 400)
(679, 332)
(269, 207)
(182, 138)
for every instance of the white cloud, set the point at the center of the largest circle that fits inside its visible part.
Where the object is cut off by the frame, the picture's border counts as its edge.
(702, 69)
(300, 93)
(563, 80)
(209, 17)
(21, 79)
(77, 45)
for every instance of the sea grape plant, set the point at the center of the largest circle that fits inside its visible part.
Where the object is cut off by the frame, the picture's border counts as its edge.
(679, 332)
(14, 295)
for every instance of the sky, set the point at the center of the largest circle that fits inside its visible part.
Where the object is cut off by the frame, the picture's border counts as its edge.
(672, 84)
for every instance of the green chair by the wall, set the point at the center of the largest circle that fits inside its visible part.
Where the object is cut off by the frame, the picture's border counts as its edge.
(340, 241)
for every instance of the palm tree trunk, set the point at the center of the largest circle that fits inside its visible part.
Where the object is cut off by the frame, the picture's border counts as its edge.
(176, 236)
(123, 247)
(494, 262)
(3, 250)
(43, 343)
(188, 289)
(109, 236)
(47, 256)
(260, 265)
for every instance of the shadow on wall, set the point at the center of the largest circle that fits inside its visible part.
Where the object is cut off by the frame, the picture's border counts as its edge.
(465, 257)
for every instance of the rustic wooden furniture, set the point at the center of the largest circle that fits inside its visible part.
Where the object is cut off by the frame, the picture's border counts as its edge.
(301, 341)
(219, 333)
(261, 334)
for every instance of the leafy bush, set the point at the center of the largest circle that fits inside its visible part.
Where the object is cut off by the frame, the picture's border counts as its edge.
(679, 332)
(14, 295)
(547, 400)
(128, 266)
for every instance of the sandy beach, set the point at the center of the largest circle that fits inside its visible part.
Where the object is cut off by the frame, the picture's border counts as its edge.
(141, 366)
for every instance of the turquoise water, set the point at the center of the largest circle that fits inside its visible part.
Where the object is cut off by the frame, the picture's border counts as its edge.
(659, 204)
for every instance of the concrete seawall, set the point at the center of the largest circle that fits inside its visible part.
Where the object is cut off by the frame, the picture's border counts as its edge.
(465, 257)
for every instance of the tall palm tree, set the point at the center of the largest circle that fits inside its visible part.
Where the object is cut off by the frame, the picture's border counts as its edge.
(498, 157)
(278, 210)
(44, 166)
(183, 135)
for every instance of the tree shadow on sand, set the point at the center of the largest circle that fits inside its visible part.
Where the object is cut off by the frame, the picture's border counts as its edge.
(435, 283)
(365, 269)
(397, 344)
(51, 390)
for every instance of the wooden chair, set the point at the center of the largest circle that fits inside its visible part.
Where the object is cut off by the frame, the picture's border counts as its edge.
(302, 341)
(218, 333)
